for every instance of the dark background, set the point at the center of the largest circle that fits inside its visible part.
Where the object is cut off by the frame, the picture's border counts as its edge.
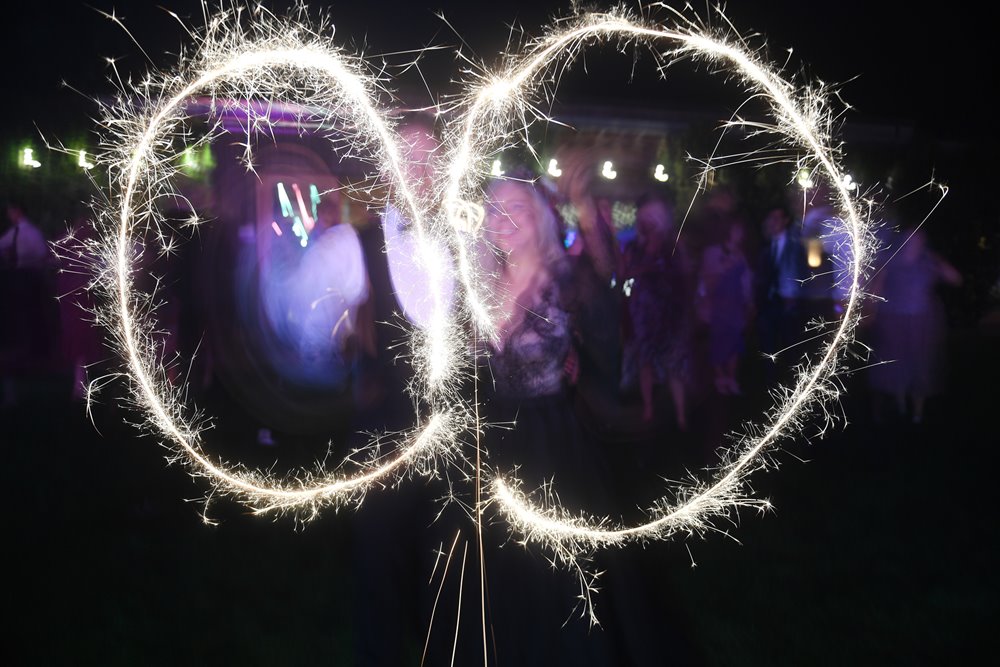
(882, 547)
(923, 72)
(895, 60)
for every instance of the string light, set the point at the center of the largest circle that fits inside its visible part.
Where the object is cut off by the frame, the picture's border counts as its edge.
(28, 158)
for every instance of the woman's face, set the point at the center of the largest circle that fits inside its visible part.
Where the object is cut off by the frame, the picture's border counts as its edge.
(512, 220)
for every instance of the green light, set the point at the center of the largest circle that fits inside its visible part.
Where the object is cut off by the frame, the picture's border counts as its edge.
(286, 203)
(207, 159)
(197, 160)
(314, 199)
(189, 161)
(82, 161)
(623, 214)
(28, 159)
(300, 230)
(569, 215)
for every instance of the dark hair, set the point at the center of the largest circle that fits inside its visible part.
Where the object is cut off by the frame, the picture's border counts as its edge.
(10, 202)
(521, 172)
(785, 209)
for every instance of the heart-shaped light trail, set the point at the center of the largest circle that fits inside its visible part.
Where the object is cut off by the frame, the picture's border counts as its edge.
(495, 111)
(272, 60)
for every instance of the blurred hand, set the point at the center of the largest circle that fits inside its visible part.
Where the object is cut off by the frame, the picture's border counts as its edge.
(578, 170)
(577, 174)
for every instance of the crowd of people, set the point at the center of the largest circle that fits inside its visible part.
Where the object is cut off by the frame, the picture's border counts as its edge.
(590, 327)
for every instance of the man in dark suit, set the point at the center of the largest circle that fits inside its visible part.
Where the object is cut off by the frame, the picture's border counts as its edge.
(782, 268)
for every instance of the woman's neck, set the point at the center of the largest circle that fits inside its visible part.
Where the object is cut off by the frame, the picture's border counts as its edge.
(519, 279)
(522, 282)
(522, 270)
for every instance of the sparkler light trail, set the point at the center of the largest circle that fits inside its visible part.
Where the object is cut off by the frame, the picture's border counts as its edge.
(233, 65)
(289, 61)
(495, 112)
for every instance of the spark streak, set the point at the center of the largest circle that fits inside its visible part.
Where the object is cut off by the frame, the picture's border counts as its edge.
(276, 60)
(232, 64)
(493, 116)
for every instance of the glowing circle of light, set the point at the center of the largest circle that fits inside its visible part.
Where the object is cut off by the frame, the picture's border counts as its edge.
(800, 120)
(233, 65)
(141, 169)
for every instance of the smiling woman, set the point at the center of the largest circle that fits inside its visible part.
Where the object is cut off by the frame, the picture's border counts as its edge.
(528, 360)
(533, 426)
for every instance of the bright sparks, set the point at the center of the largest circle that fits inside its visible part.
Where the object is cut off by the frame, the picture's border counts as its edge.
(800, 121)
(290, 62)
(234, 65)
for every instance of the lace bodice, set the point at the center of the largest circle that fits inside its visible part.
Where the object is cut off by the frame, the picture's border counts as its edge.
(530, 363)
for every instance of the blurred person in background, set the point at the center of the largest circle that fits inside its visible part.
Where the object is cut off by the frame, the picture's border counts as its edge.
(909, 325)
(82, 339)
(658, 306)
(594, 293)
(22, 245)
(726, 290)
(781, 269)
(396, 543)
(28, 311)
(331, 283)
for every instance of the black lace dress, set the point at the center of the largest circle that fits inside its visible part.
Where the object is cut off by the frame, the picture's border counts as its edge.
(535, 426)
(536, 431)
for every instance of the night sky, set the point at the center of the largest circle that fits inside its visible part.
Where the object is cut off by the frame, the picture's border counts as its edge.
(928, 73)
(897, 62)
